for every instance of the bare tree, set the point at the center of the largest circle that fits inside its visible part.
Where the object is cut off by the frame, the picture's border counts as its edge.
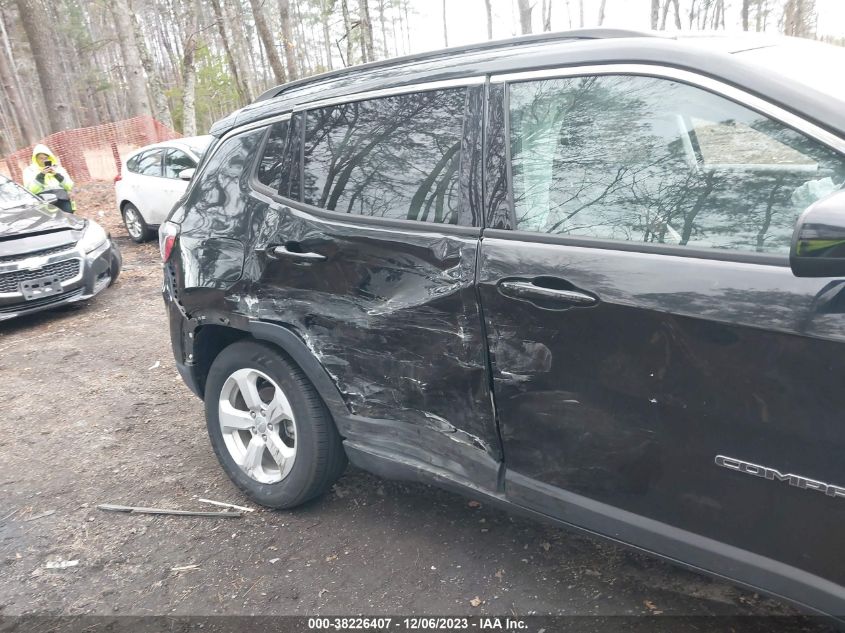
(799, 18)
(746, 7)
(525, 9)
(287, 39)
(546, 14)
(366, 27)
(240, 84)
(267, 41)
(160, 107)
(189, 71)
(489, 10)
(602, 7)
(445, 29)
(655, 13)
(347, 27)
(53, 82)
(136, 81)
(326, 7)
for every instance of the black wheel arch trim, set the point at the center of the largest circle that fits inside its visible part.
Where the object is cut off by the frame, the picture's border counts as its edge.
(286, 339)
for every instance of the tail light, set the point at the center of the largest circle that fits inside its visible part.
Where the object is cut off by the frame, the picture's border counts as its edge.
(118, 178)
(167, 234)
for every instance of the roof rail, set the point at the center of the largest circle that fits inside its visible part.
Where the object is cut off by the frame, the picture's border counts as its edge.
(586, 34)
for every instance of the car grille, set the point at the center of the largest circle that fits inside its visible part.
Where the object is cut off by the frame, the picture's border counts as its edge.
(42, 253)
(65, 271)
(41, 303)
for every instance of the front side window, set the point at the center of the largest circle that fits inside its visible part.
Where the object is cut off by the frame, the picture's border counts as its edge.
(645, 159)
(394, 157)
(175, 162)
(150, 164)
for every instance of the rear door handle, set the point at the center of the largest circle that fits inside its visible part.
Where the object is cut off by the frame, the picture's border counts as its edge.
(288, 251)
(530, 290)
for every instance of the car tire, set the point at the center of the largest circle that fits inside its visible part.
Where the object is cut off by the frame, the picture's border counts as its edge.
(306, 428)
(135, 224)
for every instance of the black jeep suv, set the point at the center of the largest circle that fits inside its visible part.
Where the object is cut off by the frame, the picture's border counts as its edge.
(594, 275)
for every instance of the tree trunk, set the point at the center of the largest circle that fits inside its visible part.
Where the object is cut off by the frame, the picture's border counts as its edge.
(367, 29)
(746, 6)
(547, 16)
(161, 109)
(326, 7)
(525, 9)
(28, 134)
(189, 72)
(240, 86)
(267, 41)
(347, 27)
(445, 30)
(601, 11)
(287, 37)
(655, 13)
(383, 22)
(53, 82)
(581, 13)
(489, 11)
(136, 82)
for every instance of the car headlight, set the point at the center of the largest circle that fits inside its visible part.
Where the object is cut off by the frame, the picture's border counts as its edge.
(92, 237)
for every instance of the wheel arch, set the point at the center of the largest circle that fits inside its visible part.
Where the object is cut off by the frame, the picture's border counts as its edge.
(210, 340)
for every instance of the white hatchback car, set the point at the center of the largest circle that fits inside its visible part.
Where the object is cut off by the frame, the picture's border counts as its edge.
(153, 178)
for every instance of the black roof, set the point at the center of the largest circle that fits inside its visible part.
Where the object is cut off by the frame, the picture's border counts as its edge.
(546, 50)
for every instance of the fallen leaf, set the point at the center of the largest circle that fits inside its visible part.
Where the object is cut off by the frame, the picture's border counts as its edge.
(546, 546)
(500, 574)
(475, 601)
(474, 504)
(331, 558)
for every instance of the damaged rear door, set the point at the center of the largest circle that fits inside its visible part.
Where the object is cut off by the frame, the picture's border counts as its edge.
(368, 254)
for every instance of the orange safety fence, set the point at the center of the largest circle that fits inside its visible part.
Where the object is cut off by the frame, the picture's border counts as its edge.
(92, 153)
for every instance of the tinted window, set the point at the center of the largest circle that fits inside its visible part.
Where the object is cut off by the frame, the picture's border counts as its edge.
(270, 166)
(218, 202)
(132, 163)
(175, 161)
(395, 157)
(150, 163)
(652, 160)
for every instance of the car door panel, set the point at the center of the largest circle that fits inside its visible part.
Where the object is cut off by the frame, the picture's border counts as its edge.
(392, 316)
(630, 401)
(682, 398)
(387, 304)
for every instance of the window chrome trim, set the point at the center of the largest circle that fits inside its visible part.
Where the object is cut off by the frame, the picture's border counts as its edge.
(716, 86)
(352, 97)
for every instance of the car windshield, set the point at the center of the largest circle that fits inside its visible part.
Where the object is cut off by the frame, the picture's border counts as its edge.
(13, 195)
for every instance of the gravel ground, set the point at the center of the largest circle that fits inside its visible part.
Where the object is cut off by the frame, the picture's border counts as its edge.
(95, 412)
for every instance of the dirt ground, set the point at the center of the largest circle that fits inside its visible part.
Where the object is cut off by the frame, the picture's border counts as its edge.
(95, 412)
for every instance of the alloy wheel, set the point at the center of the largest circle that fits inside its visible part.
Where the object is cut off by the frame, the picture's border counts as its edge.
(258, 425)
(133, 222)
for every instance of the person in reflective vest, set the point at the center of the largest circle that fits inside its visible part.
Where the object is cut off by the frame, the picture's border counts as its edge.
(46, 175)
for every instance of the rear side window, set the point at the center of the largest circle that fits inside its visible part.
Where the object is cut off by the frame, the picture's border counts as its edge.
(175, 161)
(394, 157)
(218, 201)
(269, 171)
(132, 163)
(647, 159)
(150, 163)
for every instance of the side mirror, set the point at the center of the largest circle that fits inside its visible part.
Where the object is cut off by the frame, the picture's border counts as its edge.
(818, 243)
(48, 197)
(187, 174)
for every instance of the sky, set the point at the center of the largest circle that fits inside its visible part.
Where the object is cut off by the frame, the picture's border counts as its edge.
(467, 23)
